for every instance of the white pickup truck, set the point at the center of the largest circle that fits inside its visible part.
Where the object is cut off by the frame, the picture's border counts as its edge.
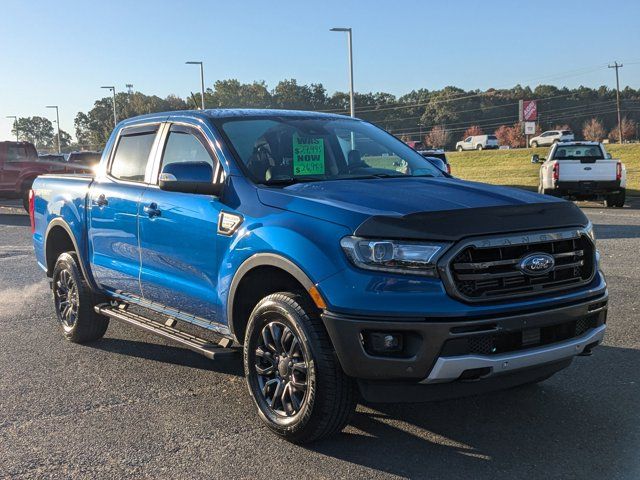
(582, 171)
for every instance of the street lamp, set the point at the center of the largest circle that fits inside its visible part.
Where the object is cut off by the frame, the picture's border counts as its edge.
(58, 123)
(115, 118)
(15, 124)
(201, 78)
(351, 101)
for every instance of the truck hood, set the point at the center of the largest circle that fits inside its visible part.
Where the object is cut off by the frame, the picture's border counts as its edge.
(413, 208)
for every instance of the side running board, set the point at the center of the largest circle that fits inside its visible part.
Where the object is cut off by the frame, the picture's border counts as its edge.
(166, 330)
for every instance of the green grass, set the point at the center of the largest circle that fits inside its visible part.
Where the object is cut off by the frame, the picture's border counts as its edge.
(514, 167)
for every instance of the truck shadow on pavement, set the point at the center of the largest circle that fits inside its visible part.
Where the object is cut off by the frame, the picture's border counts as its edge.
(170, 354)
(608, 232)
(581, 423)
(13, 220)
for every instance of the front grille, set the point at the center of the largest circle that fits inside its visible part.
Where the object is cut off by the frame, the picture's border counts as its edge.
(484, 273)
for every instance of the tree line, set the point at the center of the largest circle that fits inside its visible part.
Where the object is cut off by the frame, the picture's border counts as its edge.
(437, 117)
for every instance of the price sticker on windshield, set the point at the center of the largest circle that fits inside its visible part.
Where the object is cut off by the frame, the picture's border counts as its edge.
(308, 155)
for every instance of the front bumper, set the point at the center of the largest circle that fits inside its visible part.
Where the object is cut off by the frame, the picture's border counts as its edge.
(428, 357)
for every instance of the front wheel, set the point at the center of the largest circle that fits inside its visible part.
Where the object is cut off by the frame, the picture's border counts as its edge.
(459, 148)
(292, 373)
(74, 302)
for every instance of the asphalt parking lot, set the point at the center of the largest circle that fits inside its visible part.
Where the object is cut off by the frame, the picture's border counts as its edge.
(132, 405)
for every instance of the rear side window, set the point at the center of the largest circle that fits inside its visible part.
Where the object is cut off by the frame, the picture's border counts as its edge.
(16, 153)
(132, 153)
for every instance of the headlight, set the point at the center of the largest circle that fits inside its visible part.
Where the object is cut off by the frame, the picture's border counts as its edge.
(589, 231)
(418, 258)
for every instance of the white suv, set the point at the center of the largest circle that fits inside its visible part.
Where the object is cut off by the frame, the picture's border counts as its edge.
(548, 138)
(478, 142)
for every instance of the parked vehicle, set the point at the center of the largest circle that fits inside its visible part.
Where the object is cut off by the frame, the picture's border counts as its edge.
(340, 259)
(548, 138)
(20, 165)
(478, 142)
(88, 159)
(582, 171)
(51, 157)
(439, 157)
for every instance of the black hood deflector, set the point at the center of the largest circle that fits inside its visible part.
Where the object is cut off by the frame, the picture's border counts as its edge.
(453, 225)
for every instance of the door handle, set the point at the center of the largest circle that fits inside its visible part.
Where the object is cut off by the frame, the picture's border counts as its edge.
(152, 210)
(101, 201)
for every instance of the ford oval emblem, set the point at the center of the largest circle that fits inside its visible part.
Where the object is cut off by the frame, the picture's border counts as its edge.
(537, 264)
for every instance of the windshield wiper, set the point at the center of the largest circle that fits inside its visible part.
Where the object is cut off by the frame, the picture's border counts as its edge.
(292, 180)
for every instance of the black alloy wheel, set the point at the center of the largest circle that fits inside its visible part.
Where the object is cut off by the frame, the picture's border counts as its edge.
(281, 367)
(66, 299)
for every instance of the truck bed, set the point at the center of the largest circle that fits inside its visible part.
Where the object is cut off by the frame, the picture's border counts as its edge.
(59, 196)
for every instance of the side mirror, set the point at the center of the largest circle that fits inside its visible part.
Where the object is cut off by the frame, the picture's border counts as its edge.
(189, 177)
(535, 158)
(608, 156)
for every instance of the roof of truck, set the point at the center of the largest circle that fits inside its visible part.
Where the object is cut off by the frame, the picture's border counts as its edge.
(218, 113)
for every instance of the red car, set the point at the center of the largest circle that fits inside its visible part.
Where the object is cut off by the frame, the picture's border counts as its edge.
(20, 165)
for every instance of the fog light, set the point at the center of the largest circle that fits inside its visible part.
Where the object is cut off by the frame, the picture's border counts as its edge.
(384, 342)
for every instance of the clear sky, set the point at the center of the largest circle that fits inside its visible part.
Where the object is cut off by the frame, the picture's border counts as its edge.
(61, 52)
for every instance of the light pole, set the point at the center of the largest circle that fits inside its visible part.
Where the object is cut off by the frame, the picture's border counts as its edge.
(58, 123)
(15, 124)
(201, 78)
(351, 101)
(115, 117)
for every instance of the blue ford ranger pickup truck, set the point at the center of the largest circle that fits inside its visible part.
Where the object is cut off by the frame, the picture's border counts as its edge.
(341, 262)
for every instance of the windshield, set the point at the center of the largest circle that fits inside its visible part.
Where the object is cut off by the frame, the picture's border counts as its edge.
(289, 150)
(578, 152)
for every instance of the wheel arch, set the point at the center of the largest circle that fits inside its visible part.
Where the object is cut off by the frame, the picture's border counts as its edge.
(59, 238)
(282, 272)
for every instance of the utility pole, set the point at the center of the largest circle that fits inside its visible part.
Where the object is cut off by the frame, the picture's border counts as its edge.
(57, 123)
(15, 124)
(115, 117)
(617, 66)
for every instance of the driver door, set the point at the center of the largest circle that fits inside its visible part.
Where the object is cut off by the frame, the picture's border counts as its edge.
(178, 232)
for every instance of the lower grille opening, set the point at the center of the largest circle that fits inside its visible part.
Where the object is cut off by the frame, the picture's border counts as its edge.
(496, 343)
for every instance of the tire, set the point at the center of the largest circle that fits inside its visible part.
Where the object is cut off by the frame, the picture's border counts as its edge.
(459, 148)
(616, 200)
(24, 194)
(479, 147)
(321, 398)
(74, 302)
(534, 144)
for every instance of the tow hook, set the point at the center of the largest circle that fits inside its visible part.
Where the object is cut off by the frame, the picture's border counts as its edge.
(588, 350)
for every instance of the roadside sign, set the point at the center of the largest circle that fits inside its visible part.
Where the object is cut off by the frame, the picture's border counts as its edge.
(529, 128)
(528, 110)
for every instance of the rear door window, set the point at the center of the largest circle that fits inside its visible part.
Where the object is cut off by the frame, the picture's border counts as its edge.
(131, 156)
(17, 153)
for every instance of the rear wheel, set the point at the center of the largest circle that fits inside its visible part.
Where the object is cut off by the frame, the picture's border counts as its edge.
(292, 373)
(24, 194)
(479, 147)
(74, 302)
(534, 144)
(616, 200)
